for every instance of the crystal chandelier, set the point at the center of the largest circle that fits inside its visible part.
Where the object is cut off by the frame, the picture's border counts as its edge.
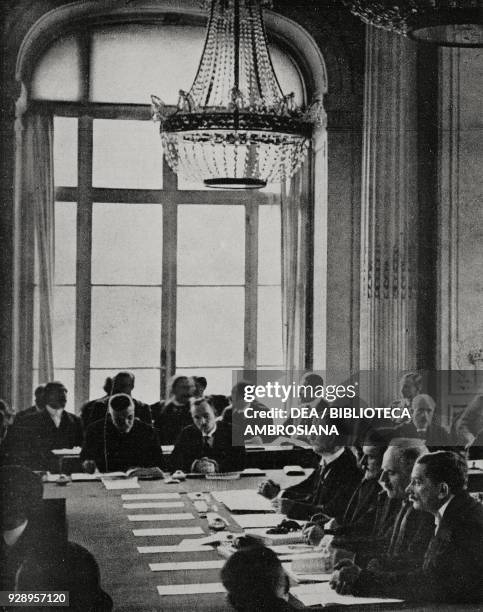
(235, 128)
(454, 23)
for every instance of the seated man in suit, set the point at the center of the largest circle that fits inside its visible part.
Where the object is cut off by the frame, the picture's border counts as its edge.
(234, 415)
(86, 409)
(330, 486)
(172, 416)
(35, 436)
(120, 441)
(453, 563)
(256, 581)
(123, 382)
(70, 568)
(206, 444)
(422, 424)
(21, 494)
(38, 406)
(359, 517)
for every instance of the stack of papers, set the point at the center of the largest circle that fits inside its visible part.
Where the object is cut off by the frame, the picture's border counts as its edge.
(247, 521)
(175, 516)
(168, 531)
(174, 566)
(243, 500)
(191, 589)
(122, 483)
(322, 594)
(140, 496)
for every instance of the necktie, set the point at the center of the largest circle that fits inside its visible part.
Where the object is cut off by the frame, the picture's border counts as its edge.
(206, 443)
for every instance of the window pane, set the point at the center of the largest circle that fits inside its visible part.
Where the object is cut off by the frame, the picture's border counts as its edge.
(126, 327)
(146, 388)
(127, 155)
(64, 327)
(269, 245)
(57, 75)
(131, 62)
(211, 245)
(287, 74)
(269, 341)
(65, 151)
(220, 380)
(210, 326)
(65, 242)
(127, 244)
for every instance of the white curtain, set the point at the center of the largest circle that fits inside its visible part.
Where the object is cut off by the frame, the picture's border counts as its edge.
(38, 189)
(294, 217)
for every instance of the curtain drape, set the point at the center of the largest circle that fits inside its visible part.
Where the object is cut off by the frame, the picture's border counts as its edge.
(294, 219)
(38, 189)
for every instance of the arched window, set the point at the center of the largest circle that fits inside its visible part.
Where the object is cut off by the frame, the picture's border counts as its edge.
(152, 273)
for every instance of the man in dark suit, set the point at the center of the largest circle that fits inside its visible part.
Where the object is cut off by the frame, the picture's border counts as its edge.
(358, 520)
(123, 382)
(120, 441)
(256, 581)
(86, 409)
(422, 425)
(328, 489)
(21, 525)
(453, 563)
(206, 445)
(172, 416)
(38, 405)
(35, 436)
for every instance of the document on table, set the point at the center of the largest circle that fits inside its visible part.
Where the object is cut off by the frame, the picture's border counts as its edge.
(304, 577)
(123, 483)
(244, 500)
(168, 516)
(187, 565)
(169, 531)
(149, 550)
(247, 521)
(221, 536)
(322, 594)
(73, 452)
(191, 589)
(153, 504)
(139, 496)
(83, 477)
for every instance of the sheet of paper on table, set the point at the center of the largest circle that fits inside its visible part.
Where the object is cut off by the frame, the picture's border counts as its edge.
(150, 550)
(247, 521)
(153, 504)
(168, 531)
(222, 536)
(301, 578)
(83, 477)
(243, 500)
(174, 566)
(73, 452)
(191, 589)
(123, 483)
(322, 594)
(169, 516)
(139, 496)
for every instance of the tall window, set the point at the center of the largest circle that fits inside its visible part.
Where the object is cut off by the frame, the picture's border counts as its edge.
(152, 273)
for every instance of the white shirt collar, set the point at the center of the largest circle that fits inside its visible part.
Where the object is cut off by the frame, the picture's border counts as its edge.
(330, 457)
(56, 415)
(12, 535)
(439, 515)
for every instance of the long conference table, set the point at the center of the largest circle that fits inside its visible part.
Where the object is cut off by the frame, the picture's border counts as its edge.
(98, 519)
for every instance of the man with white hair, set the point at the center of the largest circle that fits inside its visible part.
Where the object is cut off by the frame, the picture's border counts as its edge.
(422, 424)
(120, 441)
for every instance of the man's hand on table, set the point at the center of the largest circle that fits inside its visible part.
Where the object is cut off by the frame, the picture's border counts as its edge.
(89, 466)
(269, 489)
(344, 577)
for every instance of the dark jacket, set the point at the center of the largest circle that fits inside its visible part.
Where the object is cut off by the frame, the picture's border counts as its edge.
(30, 441)
(436, 438)
(189, 447)
(360, 516)
(452, 568)
(138, 448)
(96, 410)
(327, 490)
(169, 419)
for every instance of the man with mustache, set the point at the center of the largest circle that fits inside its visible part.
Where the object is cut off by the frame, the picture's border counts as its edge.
(453, 563)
